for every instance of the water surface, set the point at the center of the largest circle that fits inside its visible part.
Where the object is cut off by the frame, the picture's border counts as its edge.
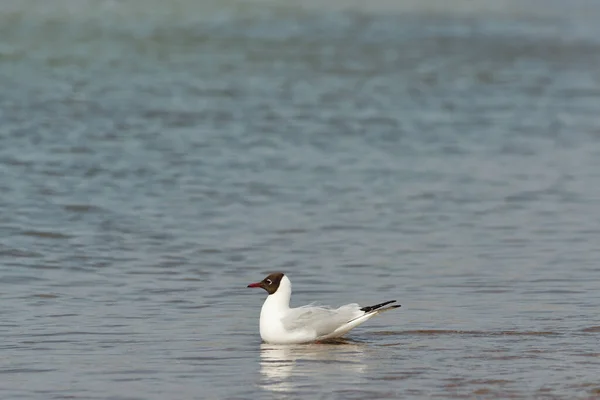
(156, 158)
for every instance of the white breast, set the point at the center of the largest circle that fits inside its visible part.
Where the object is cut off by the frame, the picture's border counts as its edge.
(275, 308)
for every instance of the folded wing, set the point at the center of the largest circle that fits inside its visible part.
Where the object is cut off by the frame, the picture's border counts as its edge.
(321, 320)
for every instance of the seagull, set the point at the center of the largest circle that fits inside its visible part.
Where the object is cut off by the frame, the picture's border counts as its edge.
(280, 324)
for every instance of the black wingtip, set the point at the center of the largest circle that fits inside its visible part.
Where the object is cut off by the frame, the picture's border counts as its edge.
(376, 306)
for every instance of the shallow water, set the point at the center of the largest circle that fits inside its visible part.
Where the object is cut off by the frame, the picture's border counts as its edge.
(158, 157)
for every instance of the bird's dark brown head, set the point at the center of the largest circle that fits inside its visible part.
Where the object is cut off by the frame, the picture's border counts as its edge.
(270, 283)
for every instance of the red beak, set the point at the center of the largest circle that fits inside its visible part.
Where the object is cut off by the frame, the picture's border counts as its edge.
(257, 284)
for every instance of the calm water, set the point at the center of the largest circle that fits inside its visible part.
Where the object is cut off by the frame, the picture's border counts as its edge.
(156, 157)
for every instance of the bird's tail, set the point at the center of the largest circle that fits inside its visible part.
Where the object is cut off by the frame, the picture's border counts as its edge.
(369, 312)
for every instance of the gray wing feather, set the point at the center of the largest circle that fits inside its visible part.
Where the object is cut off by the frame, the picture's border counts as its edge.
(321, 320)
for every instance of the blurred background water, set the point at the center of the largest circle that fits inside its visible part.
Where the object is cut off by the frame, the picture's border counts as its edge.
(156, 157)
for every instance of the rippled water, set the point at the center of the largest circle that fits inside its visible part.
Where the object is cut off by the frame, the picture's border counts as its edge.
(156, 157)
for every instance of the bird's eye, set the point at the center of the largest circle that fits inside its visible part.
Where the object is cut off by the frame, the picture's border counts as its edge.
(268, 281)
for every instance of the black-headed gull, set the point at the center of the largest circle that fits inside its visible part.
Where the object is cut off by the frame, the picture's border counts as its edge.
(280, 324)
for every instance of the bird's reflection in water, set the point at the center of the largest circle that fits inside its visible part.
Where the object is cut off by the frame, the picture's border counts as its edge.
(283, 366)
